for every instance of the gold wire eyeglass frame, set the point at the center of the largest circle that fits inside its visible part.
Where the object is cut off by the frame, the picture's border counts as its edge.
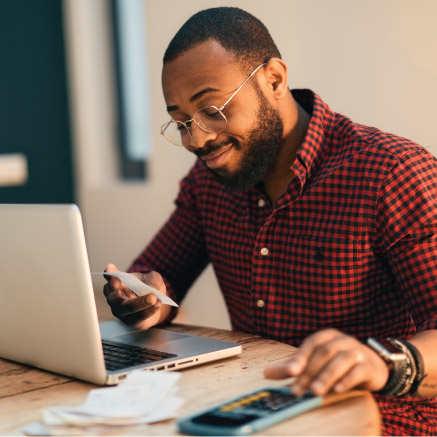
(201, 123)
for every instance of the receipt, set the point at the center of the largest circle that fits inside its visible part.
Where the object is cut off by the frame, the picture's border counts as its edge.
(139, 287)
(143, 397)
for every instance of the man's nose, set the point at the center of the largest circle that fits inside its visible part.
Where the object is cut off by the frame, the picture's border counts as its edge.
(199, 137)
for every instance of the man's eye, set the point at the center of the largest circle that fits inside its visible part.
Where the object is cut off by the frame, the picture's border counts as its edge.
(181, 124)
(182, 128)
(211, 112)
(215, 114)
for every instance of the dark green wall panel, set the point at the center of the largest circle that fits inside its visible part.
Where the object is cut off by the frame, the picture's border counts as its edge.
(34, 113)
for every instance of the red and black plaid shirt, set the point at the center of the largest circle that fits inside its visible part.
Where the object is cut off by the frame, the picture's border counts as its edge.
(352, 244)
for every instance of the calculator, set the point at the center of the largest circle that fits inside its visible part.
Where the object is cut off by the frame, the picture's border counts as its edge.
(249, 413)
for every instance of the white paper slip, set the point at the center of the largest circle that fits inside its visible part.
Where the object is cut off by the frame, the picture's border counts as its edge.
(143, 398)
(139, 287)
(44, 429)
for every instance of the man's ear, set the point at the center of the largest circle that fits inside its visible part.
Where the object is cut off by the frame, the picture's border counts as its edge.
(276, 74)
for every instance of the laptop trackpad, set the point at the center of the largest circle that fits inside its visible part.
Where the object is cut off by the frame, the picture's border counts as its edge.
(159, 339)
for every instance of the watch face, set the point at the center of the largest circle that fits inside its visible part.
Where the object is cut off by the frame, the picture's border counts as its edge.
(396, 354)
(387, 350)
(391, 348)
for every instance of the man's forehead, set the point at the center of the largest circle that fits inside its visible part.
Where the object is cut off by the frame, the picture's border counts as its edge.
(205, 65)
(207, 53)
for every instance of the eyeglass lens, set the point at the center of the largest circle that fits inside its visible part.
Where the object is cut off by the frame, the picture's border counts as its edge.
(209, 119)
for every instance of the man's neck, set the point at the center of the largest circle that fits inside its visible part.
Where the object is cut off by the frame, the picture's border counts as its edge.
(280, 175)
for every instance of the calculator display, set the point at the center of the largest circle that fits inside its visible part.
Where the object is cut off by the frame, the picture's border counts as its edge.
(246, 409)
(248, 413)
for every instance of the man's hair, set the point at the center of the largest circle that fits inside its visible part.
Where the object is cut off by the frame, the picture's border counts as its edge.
(236, 30)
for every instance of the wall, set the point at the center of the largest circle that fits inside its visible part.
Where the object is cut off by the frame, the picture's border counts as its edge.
(34, 111)
(372, 60)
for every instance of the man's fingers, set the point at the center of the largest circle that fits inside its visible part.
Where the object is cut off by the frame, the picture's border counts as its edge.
(131, 312)
(351, 380)
(141, 312)
(109, 290)
(334, 371)
(332, 361)
(153, 279)
(114, 284)
(136, 319)
(277, 371)
(110, 268)
(131, 306)
(321, 361)
(320, 367)
(298, 364)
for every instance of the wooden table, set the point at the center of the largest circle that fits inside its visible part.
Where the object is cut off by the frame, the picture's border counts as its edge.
(25, 391)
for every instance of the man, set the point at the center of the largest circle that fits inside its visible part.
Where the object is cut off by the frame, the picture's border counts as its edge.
(322, 232)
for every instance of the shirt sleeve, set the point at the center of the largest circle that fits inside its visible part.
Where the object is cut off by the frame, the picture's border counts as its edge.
(407, 232)
(178, 251)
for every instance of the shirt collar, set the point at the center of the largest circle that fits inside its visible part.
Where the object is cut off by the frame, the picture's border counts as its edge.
(322, 121)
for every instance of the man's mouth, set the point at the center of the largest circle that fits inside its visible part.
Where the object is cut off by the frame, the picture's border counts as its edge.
(217, 158)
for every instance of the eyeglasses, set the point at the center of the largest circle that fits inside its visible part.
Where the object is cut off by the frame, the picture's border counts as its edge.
(209, 118)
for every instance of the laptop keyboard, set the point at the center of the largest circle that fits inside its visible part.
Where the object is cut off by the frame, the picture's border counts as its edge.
(119, 356)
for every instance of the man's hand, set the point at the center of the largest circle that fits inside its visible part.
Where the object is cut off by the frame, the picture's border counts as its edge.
(141, 312)
(330, 360)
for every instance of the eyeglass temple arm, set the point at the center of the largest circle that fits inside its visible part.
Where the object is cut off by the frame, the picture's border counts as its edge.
(241, 86)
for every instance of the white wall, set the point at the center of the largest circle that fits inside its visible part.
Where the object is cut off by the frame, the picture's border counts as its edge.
(373, 60)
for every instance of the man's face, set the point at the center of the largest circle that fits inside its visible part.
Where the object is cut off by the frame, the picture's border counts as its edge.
(241, 155)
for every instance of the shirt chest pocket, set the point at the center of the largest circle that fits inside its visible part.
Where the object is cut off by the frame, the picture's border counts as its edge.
(319, 266)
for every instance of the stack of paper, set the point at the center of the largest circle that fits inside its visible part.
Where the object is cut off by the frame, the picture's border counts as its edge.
(143, 397)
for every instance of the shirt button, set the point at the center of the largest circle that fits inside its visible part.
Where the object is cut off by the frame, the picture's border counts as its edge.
(260, 303)
(261, 203)
(264, 251)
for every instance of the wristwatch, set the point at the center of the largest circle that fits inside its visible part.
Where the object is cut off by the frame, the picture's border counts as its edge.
(398, 363)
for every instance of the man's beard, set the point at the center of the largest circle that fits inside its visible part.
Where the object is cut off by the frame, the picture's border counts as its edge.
(259, 151)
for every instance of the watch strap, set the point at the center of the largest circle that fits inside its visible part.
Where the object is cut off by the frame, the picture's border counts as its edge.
(398, 364)
(418, 361)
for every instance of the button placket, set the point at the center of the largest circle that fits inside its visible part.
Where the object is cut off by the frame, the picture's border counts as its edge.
(259, 300)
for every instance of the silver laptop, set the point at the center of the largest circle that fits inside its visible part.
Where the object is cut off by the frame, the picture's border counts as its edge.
(48, 316)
